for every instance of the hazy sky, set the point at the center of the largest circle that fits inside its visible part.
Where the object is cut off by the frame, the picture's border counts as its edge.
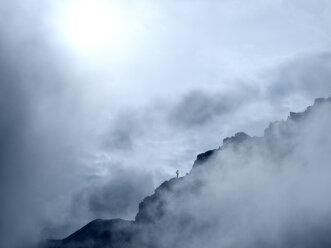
(102, 100)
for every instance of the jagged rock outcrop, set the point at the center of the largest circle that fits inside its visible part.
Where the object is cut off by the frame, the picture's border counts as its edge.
(158, 213)
(236, 139)
(204, 157)
(151, 208)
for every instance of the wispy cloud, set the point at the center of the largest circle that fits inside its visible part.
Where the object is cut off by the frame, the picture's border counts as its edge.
(194, 73)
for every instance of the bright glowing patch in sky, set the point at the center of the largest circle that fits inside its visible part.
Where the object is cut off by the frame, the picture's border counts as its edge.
(91, 25)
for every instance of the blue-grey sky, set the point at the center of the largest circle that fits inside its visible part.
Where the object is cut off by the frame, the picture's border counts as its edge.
(99, 96)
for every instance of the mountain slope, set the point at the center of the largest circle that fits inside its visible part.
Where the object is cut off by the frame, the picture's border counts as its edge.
(270, 191)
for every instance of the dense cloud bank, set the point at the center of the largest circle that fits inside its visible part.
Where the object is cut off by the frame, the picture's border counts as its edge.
(87, 135)
(270, 191)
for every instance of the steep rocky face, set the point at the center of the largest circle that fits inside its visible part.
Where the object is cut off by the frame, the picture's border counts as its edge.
(152, 208)
(233, 141)
(266, 191)
(236, 139)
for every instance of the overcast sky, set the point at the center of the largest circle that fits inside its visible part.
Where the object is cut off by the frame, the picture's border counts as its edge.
(100, 101)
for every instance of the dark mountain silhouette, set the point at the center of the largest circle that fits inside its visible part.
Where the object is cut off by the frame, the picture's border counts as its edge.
(178, 215)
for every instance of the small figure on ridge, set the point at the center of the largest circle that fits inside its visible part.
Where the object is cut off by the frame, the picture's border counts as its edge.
(177, 173)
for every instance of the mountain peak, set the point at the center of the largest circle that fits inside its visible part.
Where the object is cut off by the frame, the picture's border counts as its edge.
(237, 138)
(177, 213)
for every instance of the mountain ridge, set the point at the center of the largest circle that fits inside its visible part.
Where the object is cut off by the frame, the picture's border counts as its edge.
(154, 209)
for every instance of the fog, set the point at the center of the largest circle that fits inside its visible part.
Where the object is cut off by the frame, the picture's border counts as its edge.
(83, 123)
(262, 192)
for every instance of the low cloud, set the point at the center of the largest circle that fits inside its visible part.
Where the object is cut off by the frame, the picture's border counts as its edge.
(199, 107)
(308, 75)
(270, 192)
(117, 197)
(55, 126)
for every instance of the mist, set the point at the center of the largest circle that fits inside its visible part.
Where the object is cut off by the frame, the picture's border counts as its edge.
(81, 126)
(269, 191)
